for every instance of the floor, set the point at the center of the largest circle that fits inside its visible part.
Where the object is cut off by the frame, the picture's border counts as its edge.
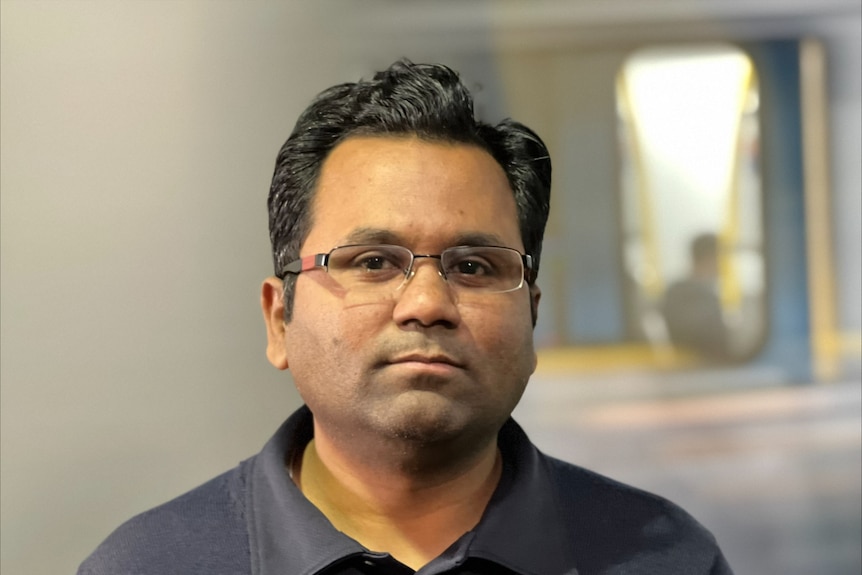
(775, 472)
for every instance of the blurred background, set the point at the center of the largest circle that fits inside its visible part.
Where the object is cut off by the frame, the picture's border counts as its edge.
(702, 309)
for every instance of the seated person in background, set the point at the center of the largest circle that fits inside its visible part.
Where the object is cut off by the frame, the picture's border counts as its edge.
(692, 308)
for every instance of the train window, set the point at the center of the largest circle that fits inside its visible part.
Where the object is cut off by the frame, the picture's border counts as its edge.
(691, 200)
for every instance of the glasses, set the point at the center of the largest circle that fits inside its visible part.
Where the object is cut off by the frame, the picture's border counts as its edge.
(379, 269)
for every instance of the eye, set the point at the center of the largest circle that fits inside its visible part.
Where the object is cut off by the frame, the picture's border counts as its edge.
(370, 263)
(483, 267)
(376, 261)
(472, 267)
(475, 265)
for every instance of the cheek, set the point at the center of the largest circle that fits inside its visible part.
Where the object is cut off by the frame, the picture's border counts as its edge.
(506, 335)
(318, 365)
(328, 343)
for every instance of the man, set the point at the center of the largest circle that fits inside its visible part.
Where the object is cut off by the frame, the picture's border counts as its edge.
(691, 306)
(406, 239)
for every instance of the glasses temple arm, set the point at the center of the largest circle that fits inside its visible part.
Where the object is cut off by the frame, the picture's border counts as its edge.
(307, 263)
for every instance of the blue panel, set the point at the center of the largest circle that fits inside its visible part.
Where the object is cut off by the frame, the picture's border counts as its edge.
(787, 345)
(595, 313)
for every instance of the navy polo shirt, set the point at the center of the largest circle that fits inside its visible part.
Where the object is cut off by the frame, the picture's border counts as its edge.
(546, 517)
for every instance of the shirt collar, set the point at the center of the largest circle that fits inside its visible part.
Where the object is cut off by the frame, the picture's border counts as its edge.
(287, 533)
(521, 529)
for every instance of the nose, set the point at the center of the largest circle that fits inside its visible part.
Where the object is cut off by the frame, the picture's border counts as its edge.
(425, 298)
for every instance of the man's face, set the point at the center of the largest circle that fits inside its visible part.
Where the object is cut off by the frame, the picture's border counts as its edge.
(422, 363)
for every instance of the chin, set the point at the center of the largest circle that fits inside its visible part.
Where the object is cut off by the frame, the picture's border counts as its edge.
(437, 421)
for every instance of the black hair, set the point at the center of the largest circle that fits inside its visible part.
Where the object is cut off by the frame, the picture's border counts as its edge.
(425, 100)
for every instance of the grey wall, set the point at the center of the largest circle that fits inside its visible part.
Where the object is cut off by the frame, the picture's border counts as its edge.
(138, 140)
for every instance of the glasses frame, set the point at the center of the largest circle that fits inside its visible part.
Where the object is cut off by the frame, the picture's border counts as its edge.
(321, 260)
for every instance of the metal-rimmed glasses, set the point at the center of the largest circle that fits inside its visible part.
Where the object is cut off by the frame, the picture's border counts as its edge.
(384, 269)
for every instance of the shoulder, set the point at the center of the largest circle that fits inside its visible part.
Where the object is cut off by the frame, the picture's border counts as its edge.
(202, 531)
(600, 500)
(608, 520)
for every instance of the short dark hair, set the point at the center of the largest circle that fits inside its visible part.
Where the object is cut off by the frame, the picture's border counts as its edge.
(425, 100)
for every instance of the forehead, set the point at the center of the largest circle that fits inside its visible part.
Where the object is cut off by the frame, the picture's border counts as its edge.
(416, 191)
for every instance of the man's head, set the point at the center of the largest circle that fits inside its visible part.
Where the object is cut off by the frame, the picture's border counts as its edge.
(440, 354)
(425, 101)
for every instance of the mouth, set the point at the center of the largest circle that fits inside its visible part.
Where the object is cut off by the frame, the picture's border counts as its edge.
(429, 359)
(427, 364)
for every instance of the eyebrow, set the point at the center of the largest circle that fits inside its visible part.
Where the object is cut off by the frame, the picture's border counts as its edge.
(382, 236)
(371, 236)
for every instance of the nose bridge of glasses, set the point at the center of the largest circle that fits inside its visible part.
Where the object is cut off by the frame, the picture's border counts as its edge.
(411, 271)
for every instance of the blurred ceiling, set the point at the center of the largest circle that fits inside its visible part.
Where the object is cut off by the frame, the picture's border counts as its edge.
(542, 23)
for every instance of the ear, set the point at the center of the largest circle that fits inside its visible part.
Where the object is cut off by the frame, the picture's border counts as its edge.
(272, 305)
(535, 296)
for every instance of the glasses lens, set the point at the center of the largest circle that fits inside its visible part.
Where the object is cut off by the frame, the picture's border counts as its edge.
(369, 268)
(482, 268)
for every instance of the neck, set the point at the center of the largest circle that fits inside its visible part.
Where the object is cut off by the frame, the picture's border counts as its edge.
(396, 506)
